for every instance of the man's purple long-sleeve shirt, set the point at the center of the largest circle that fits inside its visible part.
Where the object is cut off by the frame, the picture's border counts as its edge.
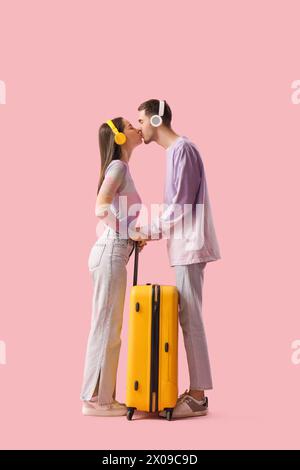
(190, 232)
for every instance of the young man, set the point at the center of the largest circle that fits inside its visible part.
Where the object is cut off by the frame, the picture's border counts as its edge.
(191, 242)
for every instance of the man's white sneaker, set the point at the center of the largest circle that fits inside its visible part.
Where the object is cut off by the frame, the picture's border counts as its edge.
(92, 408)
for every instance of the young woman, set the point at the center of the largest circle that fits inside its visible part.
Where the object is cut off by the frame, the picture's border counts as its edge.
(107, 263)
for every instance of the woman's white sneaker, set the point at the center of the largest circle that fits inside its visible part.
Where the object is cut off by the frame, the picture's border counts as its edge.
(92, 408)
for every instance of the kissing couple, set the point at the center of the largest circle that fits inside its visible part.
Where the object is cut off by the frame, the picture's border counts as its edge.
(186, 204)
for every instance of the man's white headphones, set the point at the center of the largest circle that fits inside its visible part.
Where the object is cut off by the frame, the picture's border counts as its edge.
(156, 119)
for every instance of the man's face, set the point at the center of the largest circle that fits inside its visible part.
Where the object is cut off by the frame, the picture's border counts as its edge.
(148, 131)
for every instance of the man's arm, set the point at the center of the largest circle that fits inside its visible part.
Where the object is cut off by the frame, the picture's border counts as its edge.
(186, 182)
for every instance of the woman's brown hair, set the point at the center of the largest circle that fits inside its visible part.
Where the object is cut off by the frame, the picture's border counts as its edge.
(109, 150)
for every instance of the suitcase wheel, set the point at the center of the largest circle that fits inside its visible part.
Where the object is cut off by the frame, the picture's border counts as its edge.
(130, 412)
(169, 412)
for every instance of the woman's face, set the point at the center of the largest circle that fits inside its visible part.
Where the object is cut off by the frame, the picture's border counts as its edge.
(133, 135)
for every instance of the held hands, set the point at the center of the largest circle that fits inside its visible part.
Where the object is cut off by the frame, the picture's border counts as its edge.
(141, 241)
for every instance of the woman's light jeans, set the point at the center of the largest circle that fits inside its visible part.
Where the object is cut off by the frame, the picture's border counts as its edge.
(107, 263)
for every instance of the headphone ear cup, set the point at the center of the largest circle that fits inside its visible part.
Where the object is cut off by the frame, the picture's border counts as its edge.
(120, 138)
(156, 120)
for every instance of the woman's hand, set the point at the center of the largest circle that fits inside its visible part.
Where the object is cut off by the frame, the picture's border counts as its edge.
(141, 245)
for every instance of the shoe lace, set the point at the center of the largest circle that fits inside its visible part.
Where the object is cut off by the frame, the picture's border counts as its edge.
(182, 396)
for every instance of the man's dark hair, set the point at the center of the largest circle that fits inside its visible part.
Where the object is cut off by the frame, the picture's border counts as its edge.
(151, 107)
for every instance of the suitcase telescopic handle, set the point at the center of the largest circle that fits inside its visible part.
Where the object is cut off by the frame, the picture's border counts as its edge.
(136, 263)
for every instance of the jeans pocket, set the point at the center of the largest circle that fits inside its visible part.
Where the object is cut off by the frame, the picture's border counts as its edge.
(122, 242)
(121, 250)
(95, 255)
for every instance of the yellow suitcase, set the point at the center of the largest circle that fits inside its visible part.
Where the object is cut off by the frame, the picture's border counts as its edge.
(152, 367)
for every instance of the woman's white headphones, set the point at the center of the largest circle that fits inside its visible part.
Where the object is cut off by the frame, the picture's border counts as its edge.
(156, 119)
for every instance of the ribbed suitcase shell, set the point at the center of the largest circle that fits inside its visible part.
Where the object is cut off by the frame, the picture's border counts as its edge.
(152, 368)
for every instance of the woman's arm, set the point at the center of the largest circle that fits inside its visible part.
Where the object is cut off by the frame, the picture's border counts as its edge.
(113, 179)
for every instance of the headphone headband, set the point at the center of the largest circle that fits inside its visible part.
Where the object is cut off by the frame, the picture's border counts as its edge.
(112, 126)
(161, 107)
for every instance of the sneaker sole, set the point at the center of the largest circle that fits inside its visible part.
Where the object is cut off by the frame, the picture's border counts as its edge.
(189, 415)
(104, 413)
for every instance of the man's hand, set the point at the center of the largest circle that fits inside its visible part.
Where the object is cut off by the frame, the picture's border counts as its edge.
(141, 241)
(136, 236)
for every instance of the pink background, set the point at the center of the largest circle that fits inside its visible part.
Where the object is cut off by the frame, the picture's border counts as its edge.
(226, 69)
